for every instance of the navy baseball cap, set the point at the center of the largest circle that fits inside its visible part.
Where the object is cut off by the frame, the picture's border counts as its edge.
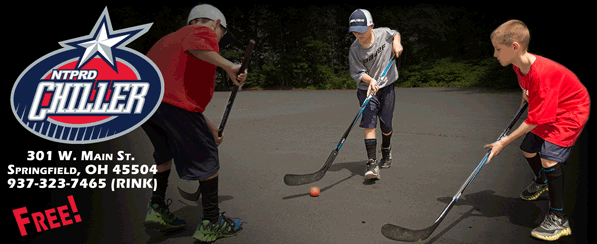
(360, 20)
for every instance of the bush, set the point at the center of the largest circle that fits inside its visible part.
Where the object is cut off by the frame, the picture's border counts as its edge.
(487, 73)
(333, 81)
(496, 76)
(443, 73)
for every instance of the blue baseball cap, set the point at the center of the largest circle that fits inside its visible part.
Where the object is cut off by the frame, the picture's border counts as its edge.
(359, 21)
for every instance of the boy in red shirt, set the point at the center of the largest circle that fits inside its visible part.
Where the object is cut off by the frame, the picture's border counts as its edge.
(559, 106)
(178, 130)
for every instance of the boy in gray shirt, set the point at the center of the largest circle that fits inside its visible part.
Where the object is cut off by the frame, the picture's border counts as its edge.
(369, 55)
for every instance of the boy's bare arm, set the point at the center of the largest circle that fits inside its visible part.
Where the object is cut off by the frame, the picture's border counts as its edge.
(373, 87)
(498, 146)
(214, 130)
(397, 45)
(367, 79)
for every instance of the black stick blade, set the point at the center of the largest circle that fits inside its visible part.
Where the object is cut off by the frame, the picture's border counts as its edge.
(398, 233)
(295, 180)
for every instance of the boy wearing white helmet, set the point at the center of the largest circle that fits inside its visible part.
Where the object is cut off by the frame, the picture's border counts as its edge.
(179, 131)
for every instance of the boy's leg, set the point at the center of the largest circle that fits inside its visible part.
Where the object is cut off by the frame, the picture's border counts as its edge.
(555, 181)
(555, 223)
(534, 160)
(530, 148)
(214, 224)
(372, 169)
(539, 185)
(209, 197)
(162, 154)
(161, 177)
(370, 143)
(387, 102)
(386, 150)
(158, 214)
(204, 165)
(369, 122)
(386, 139)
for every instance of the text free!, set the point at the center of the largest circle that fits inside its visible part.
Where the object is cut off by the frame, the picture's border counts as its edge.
(52, 218)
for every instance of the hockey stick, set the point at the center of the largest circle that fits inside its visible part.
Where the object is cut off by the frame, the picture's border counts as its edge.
(297, 179)
(243, 67)
(403, 234)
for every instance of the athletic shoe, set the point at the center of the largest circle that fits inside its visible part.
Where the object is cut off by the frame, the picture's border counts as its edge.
(552, 228)
(224, 227)
(372, 170)
(533, 191)
(386, 157)
(160, 218)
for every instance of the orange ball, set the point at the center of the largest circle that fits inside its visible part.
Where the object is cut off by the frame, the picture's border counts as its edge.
(314, 191)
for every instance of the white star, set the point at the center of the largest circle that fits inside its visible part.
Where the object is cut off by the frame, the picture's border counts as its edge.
(102, 45)
(104, 42)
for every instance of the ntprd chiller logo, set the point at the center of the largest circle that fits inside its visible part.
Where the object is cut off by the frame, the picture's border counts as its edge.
(93, 89)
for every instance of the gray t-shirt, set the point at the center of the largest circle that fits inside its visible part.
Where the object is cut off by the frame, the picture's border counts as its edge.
(374, 59)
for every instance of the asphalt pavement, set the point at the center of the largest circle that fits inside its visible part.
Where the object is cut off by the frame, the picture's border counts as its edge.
(437, 142)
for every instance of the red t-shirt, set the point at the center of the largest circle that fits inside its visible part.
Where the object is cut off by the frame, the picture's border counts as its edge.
(559, 103)
(188, 81)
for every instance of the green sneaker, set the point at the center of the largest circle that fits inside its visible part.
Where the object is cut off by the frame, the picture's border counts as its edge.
(224, 227)
(160, 218)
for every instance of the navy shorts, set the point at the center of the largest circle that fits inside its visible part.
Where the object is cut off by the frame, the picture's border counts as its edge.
(184, 136)
(535, 144)
(380, 106)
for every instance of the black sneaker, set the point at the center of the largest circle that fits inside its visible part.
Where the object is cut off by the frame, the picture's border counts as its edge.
(386, 157)
(372, 171)
(533, 191)
(552, 228)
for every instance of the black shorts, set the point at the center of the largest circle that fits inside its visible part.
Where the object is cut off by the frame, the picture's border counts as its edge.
(184, 136)
(535, 144)
(380, 106)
